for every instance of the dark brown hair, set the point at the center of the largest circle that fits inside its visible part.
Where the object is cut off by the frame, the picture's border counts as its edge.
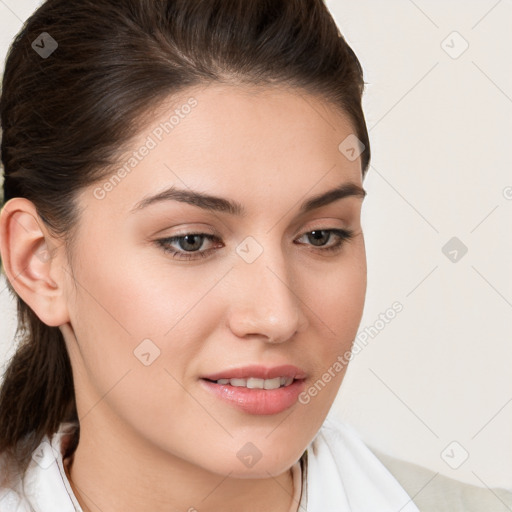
(65, 118)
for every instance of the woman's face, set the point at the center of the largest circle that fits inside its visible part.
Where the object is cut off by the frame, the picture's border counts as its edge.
(256, 288)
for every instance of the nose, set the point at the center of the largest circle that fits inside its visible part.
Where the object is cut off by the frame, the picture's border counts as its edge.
(264, 302)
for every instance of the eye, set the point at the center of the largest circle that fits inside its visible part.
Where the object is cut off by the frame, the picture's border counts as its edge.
(319, 235)
(190, 243)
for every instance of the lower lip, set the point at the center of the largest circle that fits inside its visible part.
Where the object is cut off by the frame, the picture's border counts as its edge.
(257, 401)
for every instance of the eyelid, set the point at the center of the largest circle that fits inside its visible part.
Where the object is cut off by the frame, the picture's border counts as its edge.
(204, 229)
(323, 223)
(190, 228)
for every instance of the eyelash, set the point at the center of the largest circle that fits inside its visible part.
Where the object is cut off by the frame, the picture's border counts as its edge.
(342, 234)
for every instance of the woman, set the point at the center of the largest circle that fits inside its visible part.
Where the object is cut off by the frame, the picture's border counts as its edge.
(181, 228)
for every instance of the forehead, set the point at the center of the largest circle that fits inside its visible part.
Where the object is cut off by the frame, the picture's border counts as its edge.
(247, 143)
(249, 115)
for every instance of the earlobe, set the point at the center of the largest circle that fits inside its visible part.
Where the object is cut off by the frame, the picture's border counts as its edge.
(32, 260)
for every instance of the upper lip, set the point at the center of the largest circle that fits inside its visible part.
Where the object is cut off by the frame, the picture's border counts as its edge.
(259, 372)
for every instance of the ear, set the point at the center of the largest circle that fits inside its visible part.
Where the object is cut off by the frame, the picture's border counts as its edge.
(33, 261)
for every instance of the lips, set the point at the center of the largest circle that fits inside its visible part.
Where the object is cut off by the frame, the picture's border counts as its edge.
(256, 401)
(258, 372)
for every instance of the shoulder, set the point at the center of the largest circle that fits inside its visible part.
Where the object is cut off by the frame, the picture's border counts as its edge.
(428, 490)
(43, 486)
(433, 492)
(342, 472)
(12, 497)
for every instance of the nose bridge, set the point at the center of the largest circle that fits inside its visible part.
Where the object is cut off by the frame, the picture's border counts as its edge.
(265, 301)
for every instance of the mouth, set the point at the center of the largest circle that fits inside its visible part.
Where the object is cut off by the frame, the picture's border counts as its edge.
(255, 383)
(256, 389)
(253, 374)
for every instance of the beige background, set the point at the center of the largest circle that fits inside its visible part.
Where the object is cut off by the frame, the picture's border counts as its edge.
(434, 384)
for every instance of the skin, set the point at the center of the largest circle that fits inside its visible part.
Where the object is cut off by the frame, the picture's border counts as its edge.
(152, 439)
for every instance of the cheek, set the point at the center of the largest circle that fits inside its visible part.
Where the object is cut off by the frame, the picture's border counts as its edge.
(136, 336)
(345, 300)
(135, 313)
(337, 302)
(338, 298)
(135, 297)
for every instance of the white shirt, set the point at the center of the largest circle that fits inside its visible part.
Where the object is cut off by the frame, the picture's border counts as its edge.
(341, 475)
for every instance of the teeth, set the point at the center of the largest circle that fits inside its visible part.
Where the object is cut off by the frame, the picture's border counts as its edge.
(254, 383)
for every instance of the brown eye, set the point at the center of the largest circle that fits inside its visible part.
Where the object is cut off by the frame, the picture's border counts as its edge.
(321, 236)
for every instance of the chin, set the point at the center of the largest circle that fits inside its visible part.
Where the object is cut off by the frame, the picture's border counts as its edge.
(250, 462)
(258, 471)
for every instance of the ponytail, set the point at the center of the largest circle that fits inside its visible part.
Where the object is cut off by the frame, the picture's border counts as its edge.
(37, 392)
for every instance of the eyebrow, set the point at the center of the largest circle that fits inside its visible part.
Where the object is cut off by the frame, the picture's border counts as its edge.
(223, 205)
